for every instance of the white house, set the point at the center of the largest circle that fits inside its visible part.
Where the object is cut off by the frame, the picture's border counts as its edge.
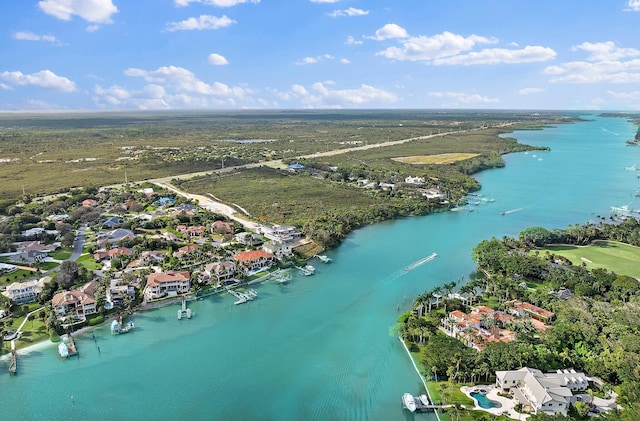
(414, 180)
(24, 292)
(550, 393)
(280, 249)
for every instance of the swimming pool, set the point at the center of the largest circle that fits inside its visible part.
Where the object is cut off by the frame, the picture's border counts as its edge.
(485, 402)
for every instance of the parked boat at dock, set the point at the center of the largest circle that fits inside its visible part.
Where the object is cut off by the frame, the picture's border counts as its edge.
(409, 402)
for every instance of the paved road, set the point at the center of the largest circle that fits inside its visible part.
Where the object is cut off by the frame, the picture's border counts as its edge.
(78, 244)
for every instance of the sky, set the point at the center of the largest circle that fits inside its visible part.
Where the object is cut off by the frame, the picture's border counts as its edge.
(319, 54)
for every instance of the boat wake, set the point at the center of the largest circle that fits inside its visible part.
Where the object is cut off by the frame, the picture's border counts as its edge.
(510, 211)
(422, 261)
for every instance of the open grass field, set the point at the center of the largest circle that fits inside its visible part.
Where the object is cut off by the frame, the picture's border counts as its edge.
(48, 153)
(439, 159)
(616, 257)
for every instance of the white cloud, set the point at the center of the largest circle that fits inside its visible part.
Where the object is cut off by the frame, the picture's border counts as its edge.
(529, 91)
(217, 59)
(200, 23)
(633, 6)
(43, 78)
(528, 54)
(94, 11)
(390, 31)
(4, 86)
(321, 95)
(314, 60)
(352, 41)
(600, 51)
(352, 11)
(169, 87)
(462, 99)
(633, 95)
(92, 28)
(183, 80)
(216, 3)
(605, 62)
(30, 36)
(424, 48)
(324, 1)
(345, 61)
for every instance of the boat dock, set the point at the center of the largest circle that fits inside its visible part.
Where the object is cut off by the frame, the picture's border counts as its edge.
(422, 403)
(307, 270)
(323, 258)
(184, 311)
(243, 297)
(13, 368)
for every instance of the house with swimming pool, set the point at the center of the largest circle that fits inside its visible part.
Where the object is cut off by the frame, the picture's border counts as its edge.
(551, 393)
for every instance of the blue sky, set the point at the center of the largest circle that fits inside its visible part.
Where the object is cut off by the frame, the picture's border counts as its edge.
(289, 54)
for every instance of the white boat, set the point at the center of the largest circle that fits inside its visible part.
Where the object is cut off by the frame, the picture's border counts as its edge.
(409, 402)
(310, 269)
(115, 327)
(63, 350)
(423, 400)
(324, 259)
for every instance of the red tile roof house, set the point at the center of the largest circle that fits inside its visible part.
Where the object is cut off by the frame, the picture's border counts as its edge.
(178, 254)
(167, 284)
(255, 259)
(196, 231)
(79, 302)
(89, 203)
(520, 308)
(109, 254)
(222, 227)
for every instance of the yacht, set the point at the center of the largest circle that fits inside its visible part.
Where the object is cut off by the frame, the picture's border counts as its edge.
(409, 402)
(63, 350)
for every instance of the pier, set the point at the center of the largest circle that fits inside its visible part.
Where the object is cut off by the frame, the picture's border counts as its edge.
(243, 297)
(13, 368)
(307, 270)
(184, 311)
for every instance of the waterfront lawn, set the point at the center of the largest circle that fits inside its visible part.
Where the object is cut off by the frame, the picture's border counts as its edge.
(616, 257)
(62, 253)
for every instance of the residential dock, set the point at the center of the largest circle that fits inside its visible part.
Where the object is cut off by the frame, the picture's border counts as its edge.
(13, 368)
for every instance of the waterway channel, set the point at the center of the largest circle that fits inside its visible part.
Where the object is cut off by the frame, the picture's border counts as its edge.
(323, 347)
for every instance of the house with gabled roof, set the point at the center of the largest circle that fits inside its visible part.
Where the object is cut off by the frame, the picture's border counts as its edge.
(111, 253)
(79, 302)
(219, 272)
(550, 393)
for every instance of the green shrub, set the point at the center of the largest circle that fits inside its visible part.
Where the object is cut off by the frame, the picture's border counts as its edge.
(96, 320)
(54, 337)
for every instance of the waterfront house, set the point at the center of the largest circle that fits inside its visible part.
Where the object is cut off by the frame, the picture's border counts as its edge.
(78, 302)
(24, 292)
(550, 393)
(219, 272)
(167, 284)
(481, 326)
(284, 233)
(432, 193)
(116, 294)
(280, 249)
(255, 259)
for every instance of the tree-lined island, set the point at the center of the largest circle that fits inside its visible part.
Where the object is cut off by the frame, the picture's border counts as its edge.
(107, 214)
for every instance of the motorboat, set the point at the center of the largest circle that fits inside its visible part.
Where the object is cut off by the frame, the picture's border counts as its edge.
(423, 400)
(63, 350)
(409, 402)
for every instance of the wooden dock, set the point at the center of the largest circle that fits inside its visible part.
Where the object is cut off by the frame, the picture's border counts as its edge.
(13, 368)
(71, 346)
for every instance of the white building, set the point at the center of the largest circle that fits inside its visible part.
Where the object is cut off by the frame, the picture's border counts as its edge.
(550, 393)
(79, 302)
(24, 292)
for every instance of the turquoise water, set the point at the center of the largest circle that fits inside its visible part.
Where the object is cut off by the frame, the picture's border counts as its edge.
(485, 402)
(322, 347)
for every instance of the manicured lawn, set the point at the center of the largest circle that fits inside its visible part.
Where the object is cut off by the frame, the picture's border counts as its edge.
(87, 261)
(62, 253)
(48, 265)
(17, 276)
(616, 257)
